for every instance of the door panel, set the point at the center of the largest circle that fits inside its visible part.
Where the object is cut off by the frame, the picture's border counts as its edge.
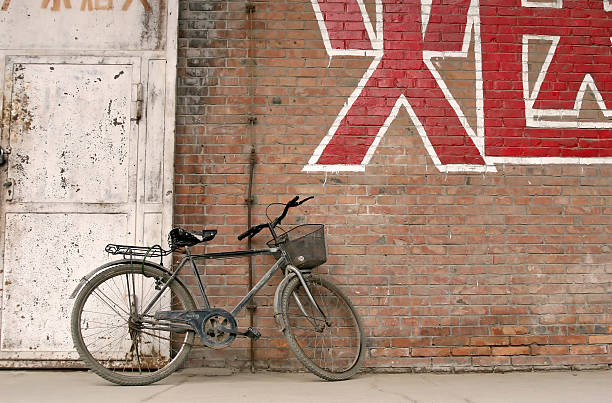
(71, 186)
(43, 269)
(69, 133)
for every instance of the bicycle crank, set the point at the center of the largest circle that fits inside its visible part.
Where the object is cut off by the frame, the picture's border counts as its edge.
(251, 333)
(217, 328)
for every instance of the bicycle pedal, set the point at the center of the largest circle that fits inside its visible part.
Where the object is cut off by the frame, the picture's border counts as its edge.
(252, 333)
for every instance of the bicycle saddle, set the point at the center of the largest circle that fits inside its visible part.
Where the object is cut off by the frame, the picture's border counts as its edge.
(180, 237)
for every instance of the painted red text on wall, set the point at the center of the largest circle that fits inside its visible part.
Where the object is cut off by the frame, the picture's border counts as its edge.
(542, 80)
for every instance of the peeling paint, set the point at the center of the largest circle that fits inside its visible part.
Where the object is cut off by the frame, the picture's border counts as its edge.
(20, 111)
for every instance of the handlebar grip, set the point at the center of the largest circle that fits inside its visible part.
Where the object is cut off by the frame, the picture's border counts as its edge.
(305, 200)
(252, 231)
(244, 234)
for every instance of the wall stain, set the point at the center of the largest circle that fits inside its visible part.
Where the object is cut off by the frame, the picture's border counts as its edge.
(20, 112)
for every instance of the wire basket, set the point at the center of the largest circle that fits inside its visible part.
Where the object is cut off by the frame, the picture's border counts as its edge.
(305, 245)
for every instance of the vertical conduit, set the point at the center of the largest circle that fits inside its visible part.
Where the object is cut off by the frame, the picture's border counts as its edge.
(250, 63)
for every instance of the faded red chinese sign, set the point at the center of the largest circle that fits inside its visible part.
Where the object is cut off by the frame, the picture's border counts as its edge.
(537, 65)
(56, 5)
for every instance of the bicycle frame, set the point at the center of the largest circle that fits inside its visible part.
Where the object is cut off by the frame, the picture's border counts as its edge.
(282, 262)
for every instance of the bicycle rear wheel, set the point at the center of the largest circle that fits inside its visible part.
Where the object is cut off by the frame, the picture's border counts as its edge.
(331, 347)
(115, 339)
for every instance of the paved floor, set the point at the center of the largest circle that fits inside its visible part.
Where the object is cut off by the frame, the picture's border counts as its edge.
(198, 386)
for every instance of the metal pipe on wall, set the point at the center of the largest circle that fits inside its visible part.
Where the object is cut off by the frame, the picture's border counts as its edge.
(250, 9)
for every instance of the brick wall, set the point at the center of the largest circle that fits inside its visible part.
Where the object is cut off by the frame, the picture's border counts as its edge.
(460, 249)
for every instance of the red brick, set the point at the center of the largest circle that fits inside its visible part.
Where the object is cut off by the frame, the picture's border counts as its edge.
(550, 350)
(588, 350)
(490, 341)
(568, 339)
(471, 351)
(518, 350)
(509, 330)
(520, 360)
(450, 341)
(600, 339)
(527, 340)
(491, 361)
(410, 342)
(430, 352)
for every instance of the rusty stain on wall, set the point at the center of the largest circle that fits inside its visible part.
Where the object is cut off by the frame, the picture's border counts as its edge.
(5, 5)
(149, 29)
(20, 112)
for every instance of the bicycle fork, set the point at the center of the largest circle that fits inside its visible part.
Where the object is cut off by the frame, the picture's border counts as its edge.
(277, 301)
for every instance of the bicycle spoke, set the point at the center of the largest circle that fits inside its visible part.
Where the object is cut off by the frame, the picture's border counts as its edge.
(123, 347)
(97, 293)
(331, 345)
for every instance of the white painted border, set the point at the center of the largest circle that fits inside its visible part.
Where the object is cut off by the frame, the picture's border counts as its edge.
(537, 117)
(472, 30)
(551, 160)
(312, 163)
(550, 4)
(374, 35)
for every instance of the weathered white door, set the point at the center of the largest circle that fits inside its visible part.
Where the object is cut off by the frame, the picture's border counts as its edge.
(87, 113)
(69, 187)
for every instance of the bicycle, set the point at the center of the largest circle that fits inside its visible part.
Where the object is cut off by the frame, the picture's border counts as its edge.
(134, 322)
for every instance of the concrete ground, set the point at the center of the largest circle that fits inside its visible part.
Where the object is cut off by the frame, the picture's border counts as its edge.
(199, 386)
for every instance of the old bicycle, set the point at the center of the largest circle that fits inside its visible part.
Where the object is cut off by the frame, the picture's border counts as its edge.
(134, 321)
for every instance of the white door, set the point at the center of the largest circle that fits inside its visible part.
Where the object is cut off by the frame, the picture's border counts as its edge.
(69, 188)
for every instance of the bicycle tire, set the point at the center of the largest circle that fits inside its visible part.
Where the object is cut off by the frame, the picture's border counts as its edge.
(342, 325)
(104, 304)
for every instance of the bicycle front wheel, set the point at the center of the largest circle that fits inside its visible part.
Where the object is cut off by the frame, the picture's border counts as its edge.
(327, 339)
(117, 339)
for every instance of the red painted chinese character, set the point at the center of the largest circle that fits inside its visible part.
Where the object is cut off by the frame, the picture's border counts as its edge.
(529, 109)
(56, 4)
(527, 118)
(128, 3)
(98, 5)
(398, 77)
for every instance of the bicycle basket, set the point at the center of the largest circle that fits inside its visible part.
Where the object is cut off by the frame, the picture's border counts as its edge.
(305, 245)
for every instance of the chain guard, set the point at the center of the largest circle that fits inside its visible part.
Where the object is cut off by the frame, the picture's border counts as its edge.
(217, 328)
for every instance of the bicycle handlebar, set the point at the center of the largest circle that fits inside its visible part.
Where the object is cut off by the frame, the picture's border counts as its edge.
(251, 232)
(254, 230)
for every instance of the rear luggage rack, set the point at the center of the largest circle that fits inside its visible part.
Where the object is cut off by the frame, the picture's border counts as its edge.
(131, 251)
